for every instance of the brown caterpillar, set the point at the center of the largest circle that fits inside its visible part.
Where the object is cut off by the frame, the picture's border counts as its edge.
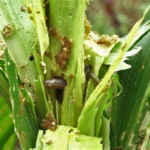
(55, 83)
(95, 78)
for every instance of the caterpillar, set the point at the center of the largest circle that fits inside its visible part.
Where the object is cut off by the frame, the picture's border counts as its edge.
(88, 69)
(55, 83)
(95, 78)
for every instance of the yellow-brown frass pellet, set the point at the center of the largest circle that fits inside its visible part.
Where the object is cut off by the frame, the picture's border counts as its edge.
(37, 12)
(50, 122)
(47, 53)
(64, 54)
(71, 76)
(29, 10)
(31, 17)
(49, 142)
(23, 8)
(63, 62)
(7, 30)
(65, 49)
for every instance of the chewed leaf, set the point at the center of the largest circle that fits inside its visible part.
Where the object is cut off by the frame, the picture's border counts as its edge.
(100, 49)
(122, 66)
(132, 52)
(41, 26)
(66, 138)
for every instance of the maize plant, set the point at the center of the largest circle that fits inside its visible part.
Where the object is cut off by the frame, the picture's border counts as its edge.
(68, 87)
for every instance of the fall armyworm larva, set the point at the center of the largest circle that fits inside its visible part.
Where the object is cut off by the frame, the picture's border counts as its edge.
(55, 83)
(95, 78)
(88, 69)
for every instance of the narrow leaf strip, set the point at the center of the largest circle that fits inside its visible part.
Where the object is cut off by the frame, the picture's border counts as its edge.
(41, 27)
(99, 114)
(6, 124)
(4, 88)
(104, 133)
(41, 101)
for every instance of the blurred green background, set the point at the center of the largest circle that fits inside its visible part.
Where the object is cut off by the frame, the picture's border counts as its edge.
(115, 16)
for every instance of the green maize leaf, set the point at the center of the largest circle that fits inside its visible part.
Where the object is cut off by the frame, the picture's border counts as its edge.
(112, 133)
(96, 60)
(91, 45)
(2, 46)
(148, 139)
(4, 83)
(24, 125)
(30, 9)
(58, 112)
(64, 16)
(116, 47)
(41, 27)
(7, 134)
(95, 55)
(141, 32)
(74, 145)
(38, 141)
(2, 64)
(116, 87)
(30, 103)
(4, 88)
(89, 108)
(100, 108)
(76, 103)
(132, 107)
(20, 41)
(40, 97)
(59, 138)
(104, 133)
(90, 114)
(88, 143)
(90, 88)
(42, 35)
(37, 61)
(122, 66)
(10, 142)
(41, 104)
(144, 27)
(66, 138)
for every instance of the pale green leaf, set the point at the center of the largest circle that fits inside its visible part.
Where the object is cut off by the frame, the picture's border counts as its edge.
(66, 138)
(41, 26)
